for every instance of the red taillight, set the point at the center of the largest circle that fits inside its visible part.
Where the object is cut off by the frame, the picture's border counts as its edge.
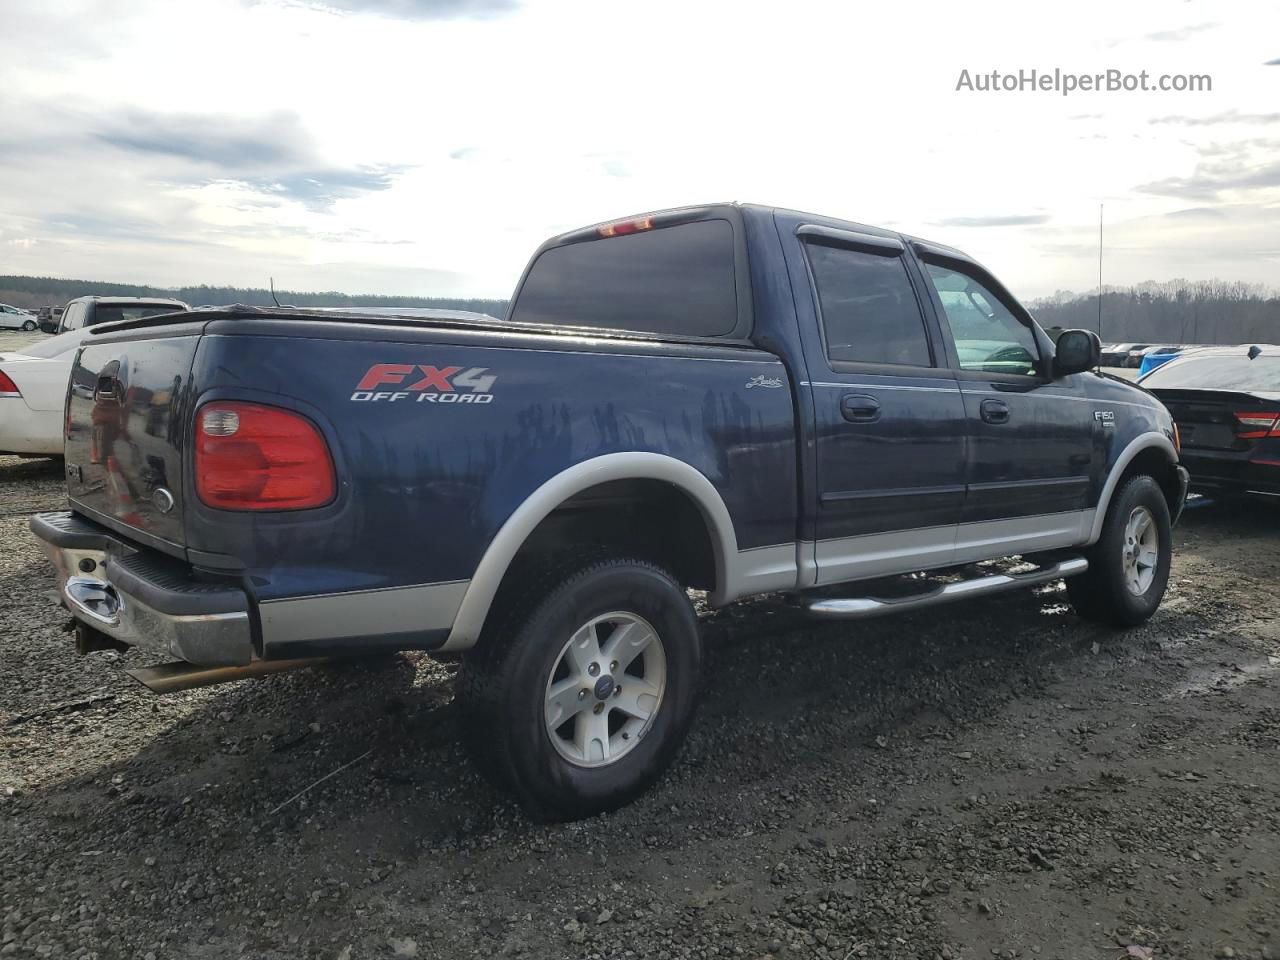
(1253, 426)
(253, 457)
(7, 387)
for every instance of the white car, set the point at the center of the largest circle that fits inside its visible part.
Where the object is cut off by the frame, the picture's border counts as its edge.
(33, 382)
(15, 318)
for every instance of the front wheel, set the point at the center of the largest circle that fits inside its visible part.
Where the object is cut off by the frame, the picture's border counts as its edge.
(582, 699)
(29, 325)
(1129, 565)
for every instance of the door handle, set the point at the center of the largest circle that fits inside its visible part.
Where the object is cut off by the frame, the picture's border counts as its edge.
(995, 411)
(859, 408)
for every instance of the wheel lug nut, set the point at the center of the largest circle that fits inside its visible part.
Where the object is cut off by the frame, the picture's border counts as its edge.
(616, 691)
(593, 669)
(613, 666)
(582, 694)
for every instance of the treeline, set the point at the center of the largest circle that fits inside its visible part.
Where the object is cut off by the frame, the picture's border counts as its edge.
(1176, 311)
(34, 292)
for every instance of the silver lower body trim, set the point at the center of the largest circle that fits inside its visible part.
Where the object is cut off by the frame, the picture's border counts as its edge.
(927, 548)
(417, 609)
(763, 570)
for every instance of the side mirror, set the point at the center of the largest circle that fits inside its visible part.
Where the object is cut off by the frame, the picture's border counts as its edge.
(48, 326)
(1077, 351)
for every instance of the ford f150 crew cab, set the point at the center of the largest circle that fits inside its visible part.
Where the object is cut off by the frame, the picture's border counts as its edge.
(730, 398)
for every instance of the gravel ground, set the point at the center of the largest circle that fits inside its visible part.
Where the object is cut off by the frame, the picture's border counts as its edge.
(18, 340)
(997, 779)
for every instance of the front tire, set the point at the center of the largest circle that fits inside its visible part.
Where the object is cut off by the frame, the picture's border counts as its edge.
(1129, 565)
(580, 700)
(28, 326)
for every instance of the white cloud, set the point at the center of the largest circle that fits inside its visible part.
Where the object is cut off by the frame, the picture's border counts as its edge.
(429, 145)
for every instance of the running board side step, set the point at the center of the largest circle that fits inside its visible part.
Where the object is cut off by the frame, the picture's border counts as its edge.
(172, 677)
(858, 608)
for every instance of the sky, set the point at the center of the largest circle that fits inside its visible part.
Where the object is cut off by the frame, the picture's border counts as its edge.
(426, 147)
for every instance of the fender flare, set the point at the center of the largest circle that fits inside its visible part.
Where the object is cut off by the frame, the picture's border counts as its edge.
(1143, 441)
(541, 502)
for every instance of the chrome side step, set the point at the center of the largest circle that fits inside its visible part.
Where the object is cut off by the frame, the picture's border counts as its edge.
(172, 677)
(858, 608)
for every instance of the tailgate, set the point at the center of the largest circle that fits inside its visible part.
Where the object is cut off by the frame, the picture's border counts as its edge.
(127, 413)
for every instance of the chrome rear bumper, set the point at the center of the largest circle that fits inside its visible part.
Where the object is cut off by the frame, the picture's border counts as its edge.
(143, 599)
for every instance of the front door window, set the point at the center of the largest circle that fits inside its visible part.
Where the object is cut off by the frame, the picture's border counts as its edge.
(988, 337)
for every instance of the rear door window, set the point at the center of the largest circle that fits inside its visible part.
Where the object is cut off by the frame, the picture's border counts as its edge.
(676, 280)
(869, 309)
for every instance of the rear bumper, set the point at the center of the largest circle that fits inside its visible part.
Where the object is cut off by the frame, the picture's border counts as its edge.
(1230, 472)
(143, 599)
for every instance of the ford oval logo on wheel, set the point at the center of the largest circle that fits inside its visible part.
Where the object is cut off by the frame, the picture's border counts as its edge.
(162, 499)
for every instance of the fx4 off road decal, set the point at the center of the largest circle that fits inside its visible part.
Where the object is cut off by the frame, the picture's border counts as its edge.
(422, 383)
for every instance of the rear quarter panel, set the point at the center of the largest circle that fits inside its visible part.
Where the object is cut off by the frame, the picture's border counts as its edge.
(43, 382)
(424, 484)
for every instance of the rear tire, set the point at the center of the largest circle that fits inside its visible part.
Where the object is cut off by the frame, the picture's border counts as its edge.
(1129, 565)
(580, 698)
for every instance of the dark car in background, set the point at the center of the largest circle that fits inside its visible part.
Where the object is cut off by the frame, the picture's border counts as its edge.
(1116, 354)
(1134, 357)
(1226, 403)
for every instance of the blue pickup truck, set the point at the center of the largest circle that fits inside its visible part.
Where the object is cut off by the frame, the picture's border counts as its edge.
(730, 398)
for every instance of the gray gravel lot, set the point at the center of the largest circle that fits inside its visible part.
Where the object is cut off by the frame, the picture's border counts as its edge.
(996, 779)
(17, 340)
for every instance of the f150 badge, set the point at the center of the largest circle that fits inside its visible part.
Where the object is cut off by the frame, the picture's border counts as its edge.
(1105, 417)
(421, 383)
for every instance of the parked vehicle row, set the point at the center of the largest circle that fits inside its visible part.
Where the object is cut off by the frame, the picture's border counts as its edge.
(732, 398)
(1139, 356)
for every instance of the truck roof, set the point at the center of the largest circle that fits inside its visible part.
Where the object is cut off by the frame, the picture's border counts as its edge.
(128, 301)
(673, 215)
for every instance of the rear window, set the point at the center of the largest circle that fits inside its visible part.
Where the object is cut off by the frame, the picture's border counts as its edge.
(110, 313)
(675, 280)
(1217, 373)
